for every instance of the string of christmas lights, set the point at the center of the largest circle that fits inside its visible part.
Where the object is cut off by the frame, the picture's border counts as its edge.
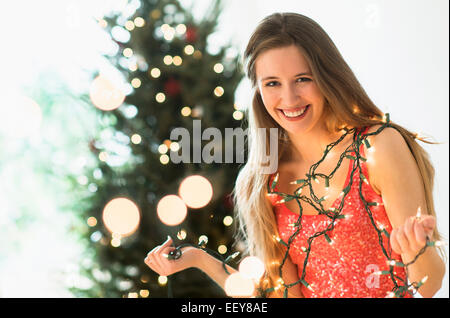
(401, 286)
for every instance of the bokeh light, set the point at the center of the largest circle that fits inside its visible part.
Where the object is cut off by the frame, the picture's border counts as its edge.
(186, 111)
(168, 59)
(136, 82)
(139, 22)
(174, 146)
(238, 115)
(164, 159)
(162, 149)
(236, 285)
(129, 25)
(91, 221)
(162, 280)
(252, 267)
(222, 249)
(228, 220)
(127, 52)
(219, 91)
(181, 29)
(177, 60)
(136, 139)
(121, 216)
(20, 116)
(218, 68)
(104, 95)
(189, 49)
(155, 72)
(160, 97)
(171, 210)
(196, 191)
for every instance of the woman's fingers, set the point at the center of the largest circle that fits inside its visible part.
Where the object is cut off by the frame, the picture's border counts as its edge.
(167, 243)
(402, 240)
(408, 229)
(420, 234)
(428, 222)
(413, 231)
(157, 258)
(412, 235)
(150, 261)
(394, 242)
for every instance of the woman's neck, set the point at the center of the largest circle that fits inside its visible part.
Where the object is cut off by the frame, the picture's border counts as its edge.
(308, 148)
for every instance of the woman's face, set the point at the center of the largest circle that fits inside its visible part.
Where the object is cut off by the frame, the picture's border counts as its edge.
(288, 89)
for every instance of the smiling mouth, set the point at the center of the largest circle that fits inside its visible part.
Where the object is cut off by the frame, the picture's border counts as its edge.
(295, 112)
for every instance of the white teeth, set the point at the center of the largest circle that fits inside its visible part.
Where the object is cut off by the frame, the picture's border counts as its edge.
(293, 114)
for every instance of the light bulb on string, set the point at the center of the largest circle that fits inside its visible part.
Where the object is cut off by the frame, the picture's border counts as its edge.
(181, 235)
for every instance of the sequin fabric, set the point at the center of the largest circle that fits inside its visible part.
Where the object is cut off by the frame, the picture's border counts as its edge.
(347, 265)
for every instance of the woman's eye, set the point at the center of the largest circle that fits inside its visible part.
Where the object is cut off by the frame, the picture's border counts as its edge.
(271, 84)
(298, 80)
(303, 79)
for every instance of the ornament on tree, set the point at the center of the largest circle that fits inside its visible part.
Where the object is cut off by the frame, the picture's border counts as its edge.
(172, 87)
(92, 147)
(191, 34)
(228, 201)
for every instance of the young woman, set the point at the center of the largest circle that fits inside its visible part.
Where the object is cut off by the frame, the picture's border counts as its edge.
(304, 88)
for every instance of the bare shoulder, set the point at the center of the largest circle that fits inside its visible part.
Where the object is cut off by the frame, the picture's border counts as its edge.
(387, 137)
(390, 151)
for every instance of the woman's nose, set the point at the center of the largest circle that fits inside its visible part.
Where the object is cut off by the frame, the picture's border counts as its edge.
(290, 96)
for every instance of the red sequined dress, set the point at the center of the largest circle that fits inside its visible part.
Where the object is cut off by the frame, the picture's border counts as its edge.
(347, 263)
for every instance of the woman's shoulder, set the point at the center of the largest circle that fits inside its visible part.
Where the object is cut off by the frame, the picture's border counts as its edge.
(388, 150)
(388, 141)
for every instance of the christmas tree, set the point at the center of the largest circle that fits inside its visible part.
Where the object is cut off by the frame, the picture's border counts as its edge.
(162, 51)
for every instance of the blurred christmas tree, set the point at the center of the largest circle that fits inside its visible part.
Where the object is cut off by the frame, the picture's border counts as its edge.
(174, 78)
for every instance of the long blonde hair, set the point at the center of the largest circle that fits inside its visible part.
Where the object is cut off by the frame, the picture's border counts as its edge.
(346, 106)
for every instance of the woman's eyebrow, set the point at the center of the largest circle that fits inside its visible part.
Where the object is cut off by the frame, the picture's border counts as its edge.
(274, 77)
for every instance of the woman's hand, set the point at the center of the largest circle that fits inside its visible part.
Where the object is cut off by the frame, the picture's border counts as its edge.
(157, 259)
(411, 237)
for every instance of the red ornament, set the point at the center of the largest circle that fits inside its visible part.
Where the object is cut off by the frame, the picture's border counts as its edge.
(191, 34)
(228, 201)
(172, 87)
(92, 147)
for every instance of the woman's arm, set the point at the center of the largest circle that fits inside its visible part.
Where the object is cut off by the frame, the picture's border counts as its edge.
(394, 172)
(290, 276)
(196, 258)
